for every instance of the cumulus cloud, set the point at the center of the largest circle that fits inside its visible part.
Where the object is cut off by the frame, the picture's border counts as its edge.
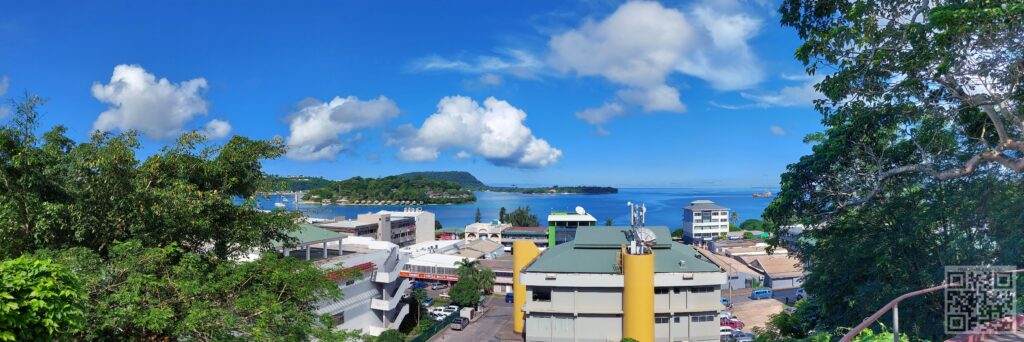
(216, 129)
(518, 63)
(316, 126)
(601, 115)
(775, 129)
(494, 131)
(138, 100)
(642, 43)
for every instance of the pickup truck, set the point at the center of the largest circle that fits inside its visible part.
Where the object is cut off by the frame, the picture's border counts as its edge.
(460, 323)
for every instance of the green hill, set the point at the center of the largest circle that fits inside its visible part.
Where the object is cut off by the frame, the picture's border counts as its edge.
(466, 179)
(273, 183)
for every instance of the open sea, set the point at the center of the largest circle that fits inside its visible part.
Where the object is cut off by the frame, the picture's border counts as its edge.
(664, 206)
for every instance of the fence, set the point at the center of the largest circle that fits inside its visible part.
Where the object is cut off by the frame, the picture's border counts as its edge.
(425, 335)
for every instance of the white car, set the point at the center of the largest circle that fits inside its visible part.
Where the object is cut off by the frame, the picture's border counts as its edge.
(444, 295)
(800, 294)
(725, 315)
(725, 331)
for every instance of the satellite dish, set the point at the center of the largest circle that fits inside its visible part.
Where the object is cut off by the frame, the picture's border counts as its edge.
(646, 235)
(579, 210)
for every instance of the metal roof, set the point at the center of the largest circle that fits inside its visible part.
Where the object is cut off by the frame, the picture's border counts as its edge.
(704, 205)
(597, 252)
(309, 234)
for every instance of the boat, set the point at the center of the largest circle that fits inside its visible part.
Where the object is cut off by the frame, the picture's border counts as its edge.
(765, 194)
(279, 204)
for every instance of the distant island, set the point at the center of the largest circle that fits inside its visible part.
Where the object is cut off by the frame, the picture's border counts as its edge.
(470, 182)
(428, 187)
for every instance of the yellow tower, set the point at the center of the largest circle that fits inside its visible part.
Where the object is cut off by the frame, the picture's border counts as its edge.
(638, 296)
(523, 253)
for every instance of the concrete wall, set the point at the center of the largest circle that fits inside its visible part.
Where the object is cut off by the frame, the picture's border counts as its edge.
(425, 227)
(783, 283)
(608, 327)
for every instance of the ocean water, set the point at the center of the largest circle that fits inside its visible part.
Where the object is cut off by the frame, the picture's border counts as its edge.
(664, 206)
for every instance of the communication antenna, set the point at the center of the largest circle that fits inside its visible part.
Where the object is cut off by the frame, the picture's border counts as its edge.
(640, 237)
(579, 210)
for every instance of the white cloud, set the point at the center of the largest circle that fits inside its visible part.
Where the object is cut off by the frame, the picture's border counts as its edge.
(490, 79)
(642, 43)
(494, 131)
(775, 129)
(216, 129)
(518, 63)
(601, 115)
(463, 155)
(5, 82)
(802, 95)
(316, 126)
(139, 101)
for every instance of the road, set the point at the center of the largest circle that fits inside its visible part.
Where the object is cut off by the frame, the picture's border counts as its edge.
(484, 329)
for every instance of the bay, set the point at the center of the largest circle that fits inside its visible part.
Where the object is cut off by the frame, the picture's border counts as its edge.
(664, 205)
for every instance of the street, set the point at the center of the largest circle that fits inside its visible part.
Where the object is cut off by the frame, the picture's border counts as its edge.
(485, 328)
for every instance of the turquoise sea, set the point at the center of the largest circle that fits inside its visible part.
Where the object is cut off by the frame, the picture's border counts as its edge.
(664, 206)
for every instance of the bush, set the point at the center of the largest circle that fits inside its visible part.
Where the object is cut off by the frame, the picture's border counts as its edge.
(748, 235)
(751, 224)
(42, 300)
(391, 335)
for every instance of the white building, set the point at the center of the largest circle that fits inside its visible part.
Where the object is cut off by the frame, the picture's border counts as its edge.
(403, 228)
(372, 303)
(703, 221)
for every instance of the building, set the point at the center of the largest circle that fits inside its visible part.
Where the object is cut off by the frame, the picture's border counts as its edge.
(780, 271)
(704, 221)
(502, 233)
(502, 267)
(562, 225)
(740, 248)
(372, 296)
(403, 228)
(481, 249)
(581, 290)
(433, 267)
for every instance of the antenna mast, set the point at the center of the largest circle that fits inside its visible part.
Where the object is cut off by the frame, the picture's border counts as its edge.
(638, 234)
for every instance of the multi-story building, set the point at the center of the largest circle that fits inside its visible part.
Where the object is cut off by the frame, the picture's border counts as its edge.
(372, 302)
(403, 228)
(502, 233)
(562, 225)
(577, 291)
(704, 221)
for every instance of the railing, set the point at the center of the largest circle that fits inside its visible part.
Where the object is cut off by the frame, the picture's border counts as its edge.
(894, 305)
(425, 335)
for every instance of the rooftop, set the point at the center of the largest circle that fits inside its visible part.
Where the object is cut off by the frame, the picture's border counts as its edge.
(776, 266)
(704, 205)
(310, 234)
(595, 251)
(561, 216)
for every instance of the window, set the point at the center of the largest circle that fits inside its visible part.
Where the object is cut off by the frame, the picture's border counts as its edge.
(677, 290)
(702, 318)
(702, 289)
(660, 319)
(542, 294)
(660, 290)
(677, 319)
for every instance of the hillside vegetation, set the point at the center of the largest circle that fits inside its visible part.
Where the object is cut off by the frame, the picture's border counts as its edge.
(392, 188)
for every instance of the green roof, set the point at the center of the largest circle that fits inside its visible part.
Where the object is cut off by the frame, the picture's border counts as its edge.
(595, 250)
(310, 234)
(452, 230)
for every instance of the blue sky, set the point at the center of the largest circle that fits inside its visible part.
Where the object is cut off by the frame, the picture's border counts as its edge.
(673, 94)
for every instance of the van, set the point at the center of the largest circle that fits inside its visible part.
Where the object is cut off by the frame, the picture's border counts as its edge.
(460, 323)
(762, 293)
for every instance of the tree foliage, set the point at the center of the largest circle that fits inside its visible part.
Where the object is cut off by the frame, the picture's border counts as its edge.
(751, 224)
(393, 188)
(473, 280)
(919, 163)
(521, 217)
(931, 88)
(39, 300)
(155, 243)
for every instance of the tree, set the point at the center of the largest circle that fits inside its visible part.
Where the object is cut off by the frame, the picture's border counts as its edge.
(734, 218)
(502, 215)
(466, 292)
(521, 217)
(467, 268)
(751, 224)
(477, 215)
(485, 280)
(391, 335)
(608, 223)
(437, 225)
(156, 243)
(420, 295)
(748, 235)
(42, 300)
(925, 88)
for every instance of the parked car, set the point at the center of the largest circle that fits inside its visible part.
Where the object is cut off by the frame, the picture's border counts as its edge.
(725, 331)
(725, 302)
(800, 294)
(444, 295)
(427, 303)
(460, 323)
(739, 336)
(762, 293)
(731, 322)
(508, 297)
(438, 286)
(725, 314)
(418, 285)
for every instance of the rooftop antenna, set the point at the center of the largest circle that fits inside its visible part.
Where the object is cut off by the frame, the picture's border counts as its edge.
(580, 210)
(640, 238)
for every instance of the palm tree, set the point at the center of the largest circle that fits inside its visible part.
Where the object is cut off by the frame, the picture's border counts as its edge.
(485, 279)
(467, 268)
